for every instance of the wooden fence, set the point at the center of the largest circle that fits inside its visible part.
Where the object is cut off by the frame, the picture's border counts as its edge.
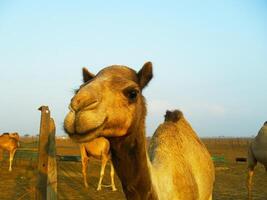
(46, 187)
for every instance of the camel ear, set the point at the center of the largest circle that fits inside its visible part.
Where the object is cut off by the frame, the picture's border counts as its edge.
(87, 75)
(145, 75)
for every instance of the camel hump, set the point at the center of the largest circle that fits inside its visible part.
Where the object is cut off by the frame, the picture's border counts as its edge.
(173, 116)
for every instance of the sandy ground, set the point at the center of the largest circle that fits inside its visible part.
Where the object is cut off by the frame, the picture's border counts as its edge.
(230, 178)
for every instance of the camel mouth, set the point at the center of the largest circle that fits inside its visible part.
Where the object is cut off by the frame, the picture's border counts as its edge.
(88, 135)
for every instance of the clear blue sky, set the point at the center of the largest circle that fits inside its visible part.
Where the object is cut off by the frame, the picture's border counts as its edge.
(210, 58)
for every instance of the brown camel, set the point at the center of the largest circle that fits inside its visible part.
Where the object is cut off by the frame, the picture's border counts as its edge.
(98, 148)
(257, 152)
(111, 105)
(10, 143)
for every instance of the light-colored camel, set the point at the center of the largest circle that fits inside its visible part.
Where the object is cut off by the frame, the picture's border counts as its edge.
(111, 105)
(257, 152)
(10, 143)
(98, 148)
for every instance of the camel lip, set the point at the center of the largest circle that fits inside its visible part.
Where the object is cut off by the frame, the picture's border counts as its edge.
(88, 135)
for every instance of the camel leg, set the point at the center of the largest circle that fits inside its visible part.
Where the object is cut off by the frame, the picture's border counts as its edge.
(84, 159)
(84, 170)
(249, 183)
(11, 156)
(103, 165)
(252, 162)
(112, 176)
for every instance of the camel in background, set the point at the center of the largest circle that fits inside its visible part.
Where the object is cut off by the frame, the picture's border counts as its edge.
(111, 105)
(257, 152)
(98, 148)
(10, 143)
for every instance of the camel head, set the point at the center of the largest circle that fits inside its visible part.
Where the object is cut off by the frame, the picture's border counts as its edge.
(108, 104)
(14, 135)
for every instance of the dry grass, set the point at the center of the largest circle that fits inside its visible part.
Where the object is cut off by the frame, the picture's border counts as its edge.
(230, 148)
(230, 176)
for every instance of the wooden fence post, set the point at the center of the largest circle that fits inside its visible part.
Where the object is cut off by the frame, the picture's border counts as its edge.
(47, 170)
(52, 163)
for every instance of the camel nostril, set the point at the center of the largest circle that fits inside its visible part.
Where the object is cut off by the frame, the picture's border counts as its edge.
(77, 106)
(85, 100)
(91, 105)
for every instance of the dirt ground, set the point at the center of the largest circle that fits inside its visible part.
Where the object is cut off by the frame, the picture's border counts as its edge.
(230, 181)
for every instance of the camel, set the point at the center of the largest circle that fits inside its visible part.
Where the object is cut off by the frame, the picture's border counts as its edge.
(98, 148)
(10, 143)
(110, 104)
(257, 152)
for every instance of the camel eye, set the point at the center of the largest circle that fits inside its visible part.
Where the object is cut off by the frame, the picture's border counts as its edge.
(132, 94)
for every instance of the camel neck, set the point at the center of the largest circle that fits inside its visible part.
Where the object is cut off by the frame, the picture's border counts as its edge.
(131, 164)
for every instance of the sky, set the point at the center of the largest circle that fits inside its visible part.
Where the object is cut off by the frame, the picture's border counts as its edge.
(209, 59)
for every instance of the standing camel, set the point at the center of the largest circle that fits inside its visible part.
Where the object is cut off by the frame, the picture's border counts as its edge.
(98, 148)
(111, 105)
(10, 143)
(257, 152)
